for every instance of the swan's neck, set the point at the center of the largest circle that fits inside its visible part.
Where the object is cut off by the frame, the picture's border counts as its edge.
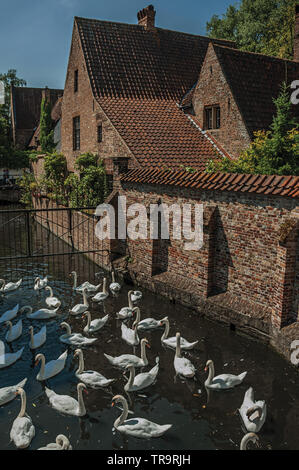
(105, 285)
(134, 326)
(75, 280)
(42, 367)
(9, 324)
(131, 378)
(211, 373)
(81, 363)
(143, 353)
(130, 300)
(23, 405)
(51, 291)
(178, 347)
(63, 442)
(137, 315)
(119, 421)
(88, 320)
(82, 409)
(31, 338)
(85, 299)
(3, 284)
(166, 330)
(113, 276)
(245, 441)
(67, 328)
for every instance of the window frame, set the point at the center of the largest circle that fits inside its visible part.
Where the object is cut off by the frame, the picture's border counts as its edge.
(99, 133)
(76, 133)
(76, 80)
(212, 117)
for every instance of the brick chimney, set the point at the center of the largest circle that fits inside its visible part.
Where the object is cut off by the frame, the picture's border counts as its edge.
(146, 18)
(296, 34)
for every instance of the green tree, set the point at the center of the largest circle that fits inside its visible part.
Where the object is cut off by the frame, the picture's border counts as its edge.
(46, 136)
(273, 152)
(9, 78)
(264, 26)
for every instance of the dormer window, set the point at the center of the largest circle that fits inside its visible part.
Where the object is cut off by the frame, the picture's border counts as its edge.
(212, 117)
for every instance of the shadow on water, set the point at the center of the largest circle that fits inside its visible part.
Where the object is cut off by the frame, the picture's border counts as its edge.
(199, 421)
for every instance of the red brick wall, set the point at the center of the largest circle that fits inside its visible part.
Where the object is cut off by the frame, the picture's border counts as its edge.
(213, 89)
(242, 260)
(83, 104)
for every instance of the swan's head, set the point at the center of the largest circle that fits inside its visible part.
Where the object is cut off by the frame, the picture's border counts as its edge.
(73, 273)
(129, 367)
(30, 328)
(82, 386)
(251, 437)
(117, 399)
(38, 358)
(19, 391)
(64, 325)
(252, 411)
(8, 323)
(163, 321)
(77, 352)
(146, 342)
(208, 364)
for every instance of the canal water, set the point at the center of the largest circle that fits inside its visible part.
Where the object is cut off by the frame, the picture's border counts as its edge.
(200, 420)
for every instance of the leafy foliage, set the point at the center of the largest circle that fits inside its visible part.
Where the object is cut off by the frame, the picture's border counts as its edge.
(272, 152)
(85, 160)
(264, 26)
(46, 131)
(10, 78)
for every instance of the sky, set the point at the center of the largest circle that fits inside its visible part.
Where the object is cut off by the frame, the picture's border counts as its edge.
(35, 35)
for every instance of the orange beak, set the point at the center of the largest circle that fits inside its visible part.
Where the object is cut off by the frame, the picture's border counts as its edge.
(206, 369)
(148, 345)
(85, 391)
(112, 404)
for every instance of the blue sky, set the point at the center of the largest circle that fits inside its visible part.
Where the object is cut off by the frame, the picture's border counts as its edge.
(35, 35)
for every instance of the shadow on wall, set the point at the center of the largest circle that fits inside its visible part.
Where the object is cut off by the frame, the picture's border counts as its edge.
(221, 258)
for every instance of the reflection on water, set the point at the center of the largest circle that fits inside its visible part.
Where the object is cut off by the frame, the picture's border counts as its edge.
(199, 421)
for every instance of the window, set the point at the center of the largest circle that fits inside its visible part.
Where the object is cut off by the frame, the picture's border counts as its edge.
(100, 133)
(76, 133)
(76, 81)
(212, 117)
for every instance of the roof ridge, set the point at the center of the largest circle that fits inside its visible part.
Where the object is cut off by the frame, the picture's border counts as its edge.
(259, 54)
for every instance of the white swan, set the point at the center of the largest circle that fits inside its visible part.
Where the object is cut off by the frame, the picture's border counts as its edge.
(137, 427)
(182, 365)
(22, 431)
(126, 312)
(62, 443)
(141, 381)
(90, 377)
(250, 437)
(94, 325)
(136, 295)
(130, 335)
(10, 286)
(52, 301)
(7, 394)
(51, 368)
(8, 359)
(146, 323)
(171, 342)
(40, 283)
(125, 359)
(114, 286)
(101, 296)
(74, 338)
(86, 285)
(66, 404)
(80, 308)
(37, 340)
(41, 314)
(223, 381)
(253, 413)
(10, 314)
(14, 332)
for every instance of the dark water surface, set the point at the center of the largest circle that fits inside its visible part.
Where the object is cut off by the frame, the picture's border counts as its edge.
(199, 421)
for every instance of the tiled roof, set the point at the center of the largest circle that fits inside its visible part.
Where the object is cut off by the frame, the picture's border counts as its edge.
(159, 134)
(138, 76)
(259, 184)
(125, 60)
(26, 105)
(255, 79)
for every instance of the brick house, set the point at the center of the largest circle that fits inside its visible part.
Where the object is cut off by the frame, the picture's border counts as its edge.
(164, 98)
(25, 113)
